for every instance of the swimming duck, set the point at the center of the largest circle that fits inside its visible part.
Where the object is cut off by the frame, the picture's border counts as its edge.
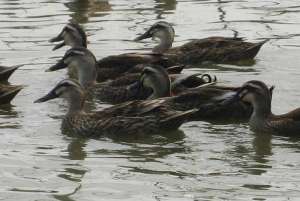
(207, 99)
(8, 92)
(84, 62)
(262, 119)
(127, 87)
(140, 120)
(6, 72)
(207, 103)
(214, 49)
(112, 66)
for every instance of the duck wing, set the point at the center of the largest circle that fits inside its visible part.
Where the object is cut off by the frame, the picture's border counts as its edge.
(164, 117)
(294, 115)
(91, 125)
(128, 60)
(124, 80)
(208, 101)
(114, 66)
(215, 49)
(285, 126)
(119, 94)
(135, 108)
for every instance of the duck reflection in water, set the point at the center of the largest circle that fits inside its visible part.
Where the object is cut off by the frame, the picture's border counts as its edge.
(9, 117)
(75, 171)
(164, 7)
(83, 9)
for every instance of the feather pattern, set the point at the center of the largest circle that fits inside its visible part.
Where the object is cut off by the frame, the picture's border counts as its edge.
(214, 49)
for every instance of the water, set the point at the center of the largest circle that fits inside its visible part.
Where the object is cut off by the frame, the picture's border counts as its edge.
(203, 161)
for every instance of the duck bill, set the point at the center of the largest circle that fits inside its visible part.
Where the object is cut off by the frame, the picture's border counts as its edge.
(58, 66)
(58, 38)
(59, 46)
(51, 95)
(237, 96)
(144, 36)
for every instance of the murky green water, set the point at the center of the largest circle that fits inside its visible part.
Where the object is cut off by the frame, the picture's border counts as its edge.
(201, 162)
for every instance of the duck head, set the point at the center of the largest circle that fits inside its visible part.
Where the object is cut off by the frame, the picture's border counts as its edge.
(157, 79)
(258, 95)
(162, 31)
(83, 61)
(71, 35)
(70, 90)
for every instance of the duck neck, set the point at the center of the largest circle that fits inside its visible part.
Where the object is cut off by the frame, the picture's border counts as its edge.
(165, 44)
(75, 43)
(76, 102)
(75, 40)
(87, 74)
(160, 88)
(261, 111)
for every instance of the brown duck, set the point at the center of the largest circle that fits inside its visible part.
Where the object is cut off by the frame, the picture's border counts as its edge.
(151, 119)
(109, 67)
(213, 49)
(129, 86)
(262, 119)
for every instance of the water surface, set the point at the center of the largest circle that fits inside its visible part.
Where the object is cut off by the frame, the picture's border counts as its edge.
(202, 161)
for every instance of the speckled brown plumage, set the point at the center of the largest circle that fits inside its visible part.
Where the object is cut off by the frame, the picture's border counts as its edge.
(214, 49)
(130, 118)
(262, 119)
(118, 94)
(114, 66)
(205, 100)
(111, 122)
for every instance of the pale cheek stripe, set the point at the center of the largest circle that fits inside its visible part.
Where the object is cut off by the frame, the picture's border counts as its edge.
(254, 85)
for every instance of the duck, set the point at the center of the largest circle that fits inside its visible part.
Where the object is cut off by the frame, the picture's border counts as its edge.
(128, 87)
(84, 62)
(208, 103)
(144, 120)
(154, 83)
(262, 119)
(8, 93)
(212, 49)
(109, 67)
(6, 72)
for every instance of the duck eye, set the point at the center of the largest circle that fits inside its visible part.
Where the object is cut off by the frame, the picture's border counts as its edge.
(243, 92)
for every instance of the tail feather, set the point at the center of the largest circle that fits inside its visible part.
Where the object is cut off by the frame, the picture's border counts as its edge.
(175, 121)
(5, 72)
(6, 97)
(252, 51)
